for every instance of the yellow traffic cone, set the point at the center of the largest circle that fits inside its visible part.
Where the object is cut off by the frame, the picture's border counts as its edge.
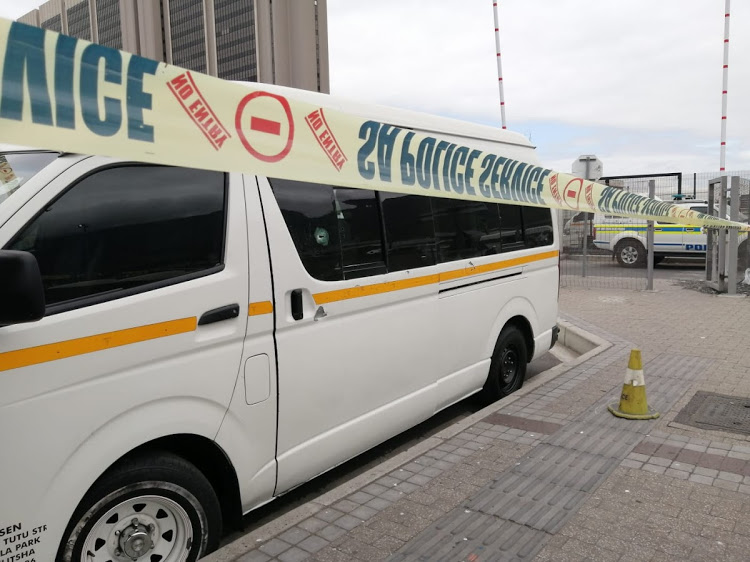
(633, 404)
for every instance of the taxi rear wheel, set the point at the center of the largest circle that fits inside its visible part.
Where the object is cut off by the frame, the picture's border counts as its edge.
(630, 253)
(508, 365)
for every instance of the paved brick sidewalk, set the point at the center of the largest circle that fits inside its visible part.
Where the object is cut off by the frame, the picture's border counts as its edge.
(553, 476)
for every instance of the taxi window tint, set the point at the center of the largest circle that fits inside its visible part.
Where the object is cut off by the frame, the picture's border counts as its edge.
(465, 229)
(409, 231)
(511, 228)
(309, 211)
(360, 232)
(115, 231)
(537, 226)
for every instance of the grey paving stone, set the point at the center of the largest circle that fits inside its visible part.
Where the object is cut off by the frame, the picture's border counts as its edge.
(726, 485)
(331, 533)
(329, 514)
(388, 481)
(419, 480)
(347, 522)
(701, 479)
(254, 556)
(407, 487)
(378, 504)
(312, 525)
(472, 536)
(710, 472)
(313, 543)
(375, 489)
(274, 547)
(681, 474)
(730, 477)
(360, 497)
(631, 464)
(294, 554)
(363, 512)
(294, 535)
(431, 471)
(656, 469)
(659, 461)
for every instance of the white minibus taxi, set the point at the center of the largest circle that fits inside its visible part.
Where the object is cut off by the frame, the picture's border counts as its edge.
(179, 346)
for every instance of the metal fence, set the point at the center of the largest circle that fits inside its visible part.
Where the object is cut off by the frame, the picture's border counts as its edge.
(612, 262)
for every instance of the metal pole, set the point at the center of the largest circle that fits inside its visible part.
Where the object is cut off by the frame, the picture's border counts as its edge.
(586, 227)
(725, 83)
(721, 239)
(499, 65)
(710, 232)
(734, 214)
(650, 242)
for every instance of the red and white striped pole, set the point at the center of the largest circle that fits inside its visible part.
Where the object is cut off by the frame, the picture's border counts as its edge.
(725, 82)
(500, 65)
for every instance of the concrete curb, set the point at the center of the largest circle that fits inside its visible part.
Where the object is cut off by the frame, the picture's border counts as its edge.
(571, 336)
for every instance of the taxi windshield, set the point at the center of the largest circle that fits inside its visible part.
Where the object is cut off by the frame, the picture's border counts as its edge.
(16, 168)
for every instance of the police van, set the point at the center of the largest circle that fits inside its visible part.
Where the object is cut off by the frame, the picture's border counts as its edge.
(180, 346)
(626, 237)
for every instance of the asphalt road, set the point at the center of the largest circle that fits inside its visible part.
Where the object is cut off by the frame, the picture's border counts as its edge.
(373, 457)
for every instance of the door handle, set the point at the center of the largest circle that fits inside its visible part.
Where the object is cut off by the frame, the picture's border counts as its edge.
(296, 298)
(218, 314)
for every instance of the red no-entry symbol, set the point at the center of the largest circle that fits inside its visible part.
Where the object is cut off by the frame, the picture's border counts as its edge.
(572, 192)
(265, 125)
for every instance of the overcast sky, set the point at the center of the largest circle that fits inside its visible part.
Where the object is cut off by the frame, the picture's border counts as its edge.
(637, 83)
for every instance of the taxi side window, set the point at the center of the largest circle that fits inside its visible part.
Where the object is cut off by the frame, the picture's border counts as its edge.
(127, 229)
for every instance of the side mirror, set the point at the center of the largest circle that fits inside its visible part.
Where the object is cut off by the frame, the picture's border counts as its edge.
(21, 289)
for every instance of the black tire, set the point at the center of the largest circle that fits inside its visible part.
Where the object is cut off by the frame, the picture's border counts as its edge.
(508, 365)
(630, 253)
(162, 477)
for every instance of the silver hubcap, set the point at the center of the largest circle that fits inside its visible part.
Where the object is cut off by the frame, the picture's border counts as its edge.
(629, 255)
(148, 528)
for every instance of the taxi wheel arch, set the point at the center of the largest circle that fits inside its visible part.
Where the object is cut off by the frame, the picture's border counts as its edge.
(630, 252)
(168, 485)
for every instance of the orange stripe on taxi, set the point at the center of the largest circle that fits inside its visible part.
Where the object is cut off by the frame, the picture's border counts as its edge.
(380, 288)
(258, 308)
(89, 344)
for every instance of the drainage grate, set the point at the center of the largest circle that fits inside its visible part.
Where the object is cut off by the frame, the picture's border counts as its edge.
(707, 410)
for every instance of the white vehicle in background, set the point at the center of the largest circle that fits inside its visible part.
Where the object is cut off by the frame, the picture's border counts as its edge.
(626, 238)
(181, 346)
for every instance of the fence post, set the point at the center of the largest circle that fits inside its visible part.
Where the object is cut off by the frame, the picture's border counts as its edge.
(732, 250)
(710, 232)
(650, 242)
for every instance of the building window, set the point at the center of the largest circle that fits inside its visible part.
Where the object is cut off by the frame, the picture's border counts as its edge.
(79, 21)
(235, 40)
(188, 34)
(53, 24)
(108, 23)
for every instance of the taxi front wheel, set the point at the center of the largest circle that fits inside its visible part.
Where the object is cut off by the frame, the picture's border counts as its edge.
(148, 508)
(630, 253)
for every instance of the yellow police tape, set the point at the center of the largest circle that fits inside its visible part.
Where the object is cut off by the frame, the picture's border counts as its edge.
(62, 93)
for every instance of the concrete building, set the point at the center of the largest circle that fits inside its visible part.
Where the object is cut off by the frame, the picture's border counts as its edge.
(273, 41)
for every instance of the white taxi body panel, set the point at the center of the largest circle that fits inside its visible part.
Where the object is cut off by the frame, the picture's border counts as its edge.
(283, 399)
